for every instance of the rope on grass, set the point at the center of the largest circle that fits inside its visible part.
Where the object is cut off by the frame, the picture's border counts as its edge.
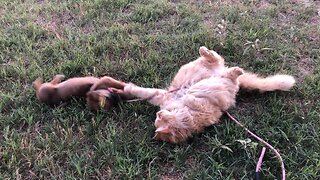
(264, 142)
(258, 167)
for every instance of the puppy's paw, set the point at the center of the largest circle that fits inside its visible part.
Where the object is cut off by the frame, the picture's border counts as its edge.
(37, 83)
(115, 90)
(60, 76)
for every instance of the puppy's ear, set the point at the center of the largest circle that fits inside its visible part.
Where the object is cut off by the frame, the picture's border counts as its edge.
(96, 102)
(37, 83)
(88, 96)
(92, 101)
(93, 95)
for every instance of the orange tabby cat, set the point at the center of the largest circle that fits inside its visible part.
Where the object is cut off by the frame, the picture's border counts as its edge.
(199, 93)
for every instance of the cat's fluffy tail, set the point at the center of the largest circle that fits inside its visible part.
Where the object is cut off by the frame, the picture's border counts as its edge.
(250, 81)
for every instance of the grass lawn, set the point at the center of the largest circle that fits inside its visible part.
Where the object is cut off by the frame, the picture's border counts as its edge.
(145, 42)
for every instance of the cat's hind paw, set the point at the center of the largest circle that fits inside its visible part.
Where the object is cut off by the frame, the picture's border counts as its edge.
(234, 72)
(205, 52)
(210, 55)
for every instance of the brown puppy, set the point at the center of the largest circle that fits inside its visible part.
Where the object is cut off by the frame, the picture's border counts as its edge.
(55, 91)
(106, 93)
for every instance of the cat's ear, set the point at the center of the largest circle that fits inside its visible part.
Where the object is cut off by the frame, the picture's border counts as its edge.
(159, 114)
(163, 129)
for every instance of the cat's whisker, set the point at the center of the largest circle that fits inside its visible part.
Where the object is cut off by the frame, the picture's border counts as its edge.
(155, 136)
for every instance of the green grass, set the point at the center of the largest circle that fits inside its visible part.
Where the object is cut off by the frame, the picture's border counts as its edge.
(146, 42)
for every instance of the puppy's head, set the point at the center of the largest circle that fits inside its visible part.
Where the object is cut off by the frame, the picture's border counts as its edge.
(101, 99)
(46, 93)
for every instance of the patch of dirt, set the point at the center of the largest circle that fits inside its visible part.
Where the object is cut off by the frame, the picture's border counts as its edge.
(1, 11)
(57, 22)
(103, 173)
(307, 3)
(306, 66)
(46, 1)
(191, 162)
(303, 106)
(48, 25)
(314, 34)
(315, 19)
(263, 4)
(40, 1)
(169, 173)
(168, 177)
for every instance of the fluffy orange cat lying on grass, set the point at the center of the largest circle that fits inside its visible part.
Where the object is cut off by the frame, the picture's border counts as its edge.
(199, 93)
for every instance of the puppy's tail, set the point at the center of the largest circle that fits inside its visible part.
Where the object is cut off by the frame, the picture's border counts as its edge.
(250, 81)
(36, 85)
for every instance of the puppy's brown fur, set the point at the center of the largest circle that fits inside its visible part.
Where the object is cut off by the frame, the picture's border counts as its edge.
(105, 93)
(55, 91)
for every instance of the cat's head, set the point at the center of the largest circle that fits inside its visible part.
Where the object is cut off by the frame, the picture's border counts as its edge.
(211, 56)
(171, 127)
